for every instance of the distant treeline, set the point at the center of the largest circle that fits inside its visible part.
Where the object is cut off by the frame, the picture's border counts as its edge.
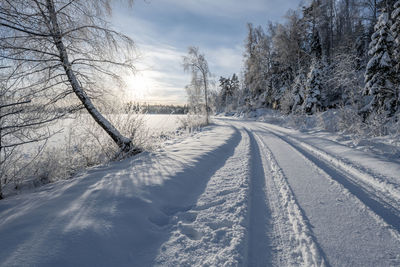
(143, 108)
(157, 108)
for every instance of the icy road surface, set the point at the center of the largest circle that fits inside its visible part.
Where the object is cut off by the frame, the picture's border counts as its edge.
(240, 193)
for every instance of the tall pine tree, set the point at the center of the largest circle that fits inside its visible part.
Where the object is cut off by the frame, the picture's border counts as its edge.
(380, 75)
(396, 51)
(298, 92)
(312, 102)
(396, 34)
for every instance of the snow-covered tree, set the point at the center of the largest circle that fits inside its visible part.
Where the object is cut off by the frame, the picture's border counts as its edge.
(197, 65)
(229, 89)
(396, 34)
(396, 51)
(347, 79)
(195, 98)
(298, 92)
(380, 76)
(312, 102)
(235, 83)
(21, 123)
(329, 38)
(360, 46)
(256, 61)
(64, 48)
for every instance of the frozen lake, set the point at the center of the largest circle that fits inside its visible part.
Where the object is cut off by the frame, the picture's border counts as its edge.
(162, 123)
(154, 125)
(80, 142)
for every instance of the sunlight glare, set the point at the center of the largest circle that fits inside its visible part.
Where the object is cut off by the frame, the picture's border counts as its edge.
(138, 86)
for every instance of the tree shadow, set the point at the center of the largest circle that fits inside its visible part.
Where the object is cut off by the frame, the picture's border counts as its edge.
(111, 215)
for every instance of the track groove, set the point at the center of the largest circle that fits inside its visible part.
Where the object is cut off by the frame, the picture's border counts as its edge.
(312, 199)
(259, 243)
(304, 250)
(370, 181)
(386, 210)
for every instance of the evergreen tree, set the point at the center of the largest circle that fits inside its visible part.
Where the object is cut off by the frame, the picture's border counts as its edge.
(380, 74)
(229, 89)
(361, 46)
(235, 87)
(298, 92)
(316, 48)
(235, 83)
(226, 91)
(396, 51)
(312, 102)
(396, 35)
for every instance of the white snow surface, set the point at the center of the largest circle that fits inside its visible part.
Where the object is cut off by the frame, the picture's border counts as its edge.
(239, 193)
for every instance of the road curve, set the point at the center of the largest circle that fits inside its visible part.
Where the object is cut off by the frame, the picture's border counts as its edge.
(338, 217)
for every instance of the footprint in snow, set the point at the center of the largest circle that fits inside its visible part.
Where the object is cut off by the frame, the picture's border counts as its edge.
(189, 231)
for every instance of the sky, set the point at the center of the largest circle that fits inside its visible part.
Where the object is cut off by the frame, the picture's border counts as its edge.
(164, 29)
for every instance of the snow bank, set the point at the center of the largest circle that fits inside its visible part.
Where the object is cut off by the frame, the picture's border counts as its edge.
(116, 215)
(343, 126)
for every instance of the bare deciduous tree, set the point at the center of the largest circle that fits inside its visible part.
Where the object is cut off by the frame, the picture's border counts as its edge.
(58, 49)
(21, 123)
(197, 65)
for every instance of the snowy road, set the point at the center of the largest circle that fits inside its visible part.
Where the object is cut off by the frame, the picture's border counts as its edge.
(240, 193)
(343, 214)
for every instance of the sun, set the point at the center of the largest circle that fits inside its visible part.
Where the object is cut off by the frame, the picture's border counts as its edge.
(138, 86)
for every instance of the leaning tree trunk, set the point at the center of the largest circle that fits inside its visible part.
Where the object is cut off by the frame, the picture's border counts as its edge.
(124, 143)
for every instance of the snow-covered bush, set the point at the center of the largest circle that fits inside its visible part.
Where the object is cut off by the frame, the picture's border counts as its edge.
(287, 102)
(346, 81)
(85, 145)
(128, 121)
(192, 122)
(349, 121)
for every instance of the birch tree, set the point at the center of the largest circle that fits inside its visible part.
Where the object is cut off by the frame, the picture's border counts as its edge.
(62, 51)
(197, 65)
(21, 123)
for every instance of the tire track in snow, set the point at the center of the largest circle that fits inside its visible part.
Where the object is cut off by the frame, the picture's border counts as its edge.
(387, 210)
(259, 214)
(213, 231)
(372, 182)
(303, 249)
(349, 233)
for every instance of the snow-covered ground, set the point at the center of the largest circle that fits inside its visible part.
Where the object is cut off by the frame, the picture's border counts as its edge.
(155, 123)
(161, 123)
(78, 142)
(239, 193)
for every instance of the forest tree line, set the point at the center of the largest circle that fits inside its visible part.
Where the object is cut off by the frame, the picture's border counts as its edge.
(326, 54)
(145, 108)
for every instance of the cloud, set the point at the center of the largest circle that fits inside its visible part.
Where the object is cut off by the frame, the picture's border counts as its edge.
(225, 60)
(226, 8)
(160, 77)
(163, 29)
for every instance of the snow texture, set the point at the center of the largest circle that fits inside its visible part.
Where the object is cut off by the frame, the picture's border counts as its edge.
(240, 193)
